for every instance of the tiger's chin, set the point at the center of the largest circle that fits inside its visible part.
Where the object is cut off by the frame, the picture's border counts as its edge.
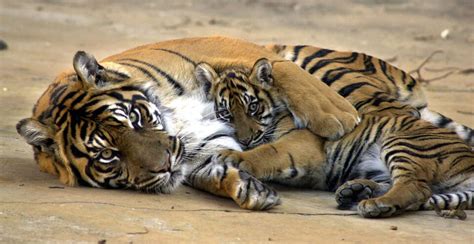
(167, 183)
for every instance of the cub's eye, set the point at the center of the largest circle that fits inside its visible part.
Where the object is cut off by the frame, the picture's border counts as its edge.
(253, 108)
(107, 156)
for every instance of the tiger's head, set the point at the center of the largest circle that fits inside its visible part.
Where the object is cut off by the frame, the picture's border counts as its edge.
(246, 99)
(98, 126)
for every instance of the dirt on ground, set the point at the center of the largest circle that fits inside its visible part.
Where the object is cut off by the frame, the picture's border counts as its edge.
(39, 39)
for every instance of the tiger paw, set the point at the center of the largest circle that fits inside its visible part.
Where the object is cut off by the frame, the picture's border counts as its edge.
(352, 192)
(377, 208)
(238, 159)
(255, 195)
(230, 157)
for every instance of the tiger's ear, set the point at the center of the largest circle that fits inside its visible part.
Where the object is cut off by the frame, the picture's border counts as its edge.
(36, 134)
(89, 70)
(206, 77)
(262, 73)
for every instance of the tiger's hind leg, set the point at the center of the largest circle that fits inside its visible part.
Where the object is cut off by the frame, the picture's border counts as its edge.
(352, 192)
(411, 173)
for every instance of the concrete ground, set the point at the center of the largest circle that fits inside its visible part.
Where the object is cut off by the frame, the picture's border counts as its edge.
(42, 37)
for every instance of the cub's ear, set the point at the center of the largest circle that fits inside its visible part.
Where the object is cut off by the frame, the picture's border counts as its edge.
(36, 134)
(206, 76)
(262, 72)
(89, 70)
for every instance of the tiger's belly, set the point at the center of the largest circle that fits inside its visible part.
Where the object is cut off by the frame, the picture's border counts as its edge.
(371, 166)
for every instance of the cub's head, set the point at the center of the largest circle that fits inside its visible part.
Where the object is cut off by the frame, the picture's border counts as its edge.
(98, 126)
(244, 98)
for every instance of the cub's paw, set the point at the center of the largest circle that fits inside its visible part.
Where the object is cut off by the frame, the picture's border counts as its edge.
(354, 191)
(331, 125)
(254, 195)
(377, 208)
(345, 113)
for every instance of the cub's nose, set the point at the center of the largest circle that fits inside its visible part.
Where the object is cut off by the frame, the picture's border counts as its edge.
(245, 142)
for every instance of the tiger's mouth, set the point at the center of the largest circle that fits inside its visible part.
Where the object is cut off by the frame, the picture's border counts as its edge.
(168, 179)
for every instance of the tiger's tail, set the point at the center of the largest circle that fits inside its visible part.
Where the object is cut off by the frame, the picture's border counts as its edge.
(449, 201)
(441, 121)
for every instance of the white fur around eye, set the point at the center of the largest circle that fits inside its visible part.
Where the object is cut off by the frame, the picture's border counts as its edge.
(158, 125)
(107, 156)
(107, 161)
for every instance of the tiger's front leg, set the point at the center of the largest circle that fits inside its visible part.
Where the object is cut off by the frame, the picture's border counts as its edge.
(228, 181)
(288, 158)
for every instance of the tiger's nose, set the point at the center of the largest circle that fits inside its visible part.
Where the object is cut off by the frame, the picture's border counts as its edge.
(165, 166)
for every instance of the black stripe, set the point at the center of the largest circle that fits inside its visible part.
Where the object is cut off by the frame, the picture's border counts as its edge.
(443, 121)
(318, 54)
(83, 132)
(296, 52)
(294, 171)
(63, 118)
(368, 69)
(78, 99)
(57, 93)
(187, 59)
(144, 71)
(345, 60)
(119, 74)
(194, 173)
(347, 90)
(179, 89)
(78, 176)
(383, 65)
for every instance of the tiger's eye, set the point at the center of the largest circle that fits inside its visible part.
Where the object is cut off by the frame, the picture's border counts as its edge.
(106, 154)
(133, 117)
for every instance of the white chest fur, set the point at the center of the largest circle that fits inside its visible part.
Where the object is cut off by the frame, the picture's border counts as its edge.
(193, 119)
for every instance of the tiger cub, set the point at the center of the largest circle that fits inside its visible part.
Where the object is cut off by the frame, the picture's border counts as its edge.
(393, 161)
(365, 81)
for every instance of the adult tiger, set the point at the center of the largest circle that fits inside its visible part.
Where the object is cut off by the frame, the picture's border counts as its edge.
(393, 161)
(138, 120)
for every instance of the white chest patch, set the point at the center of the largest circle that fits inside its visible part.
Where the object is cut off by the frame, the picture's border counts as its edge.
(193, 118)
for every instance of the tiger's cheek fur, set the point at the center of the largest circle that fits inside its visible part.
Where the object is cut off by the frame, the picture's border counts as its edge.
(46, 164)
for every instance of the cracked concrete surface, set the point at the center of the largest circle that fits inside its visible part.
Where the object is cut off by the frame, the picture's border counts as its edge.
(42, 37)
